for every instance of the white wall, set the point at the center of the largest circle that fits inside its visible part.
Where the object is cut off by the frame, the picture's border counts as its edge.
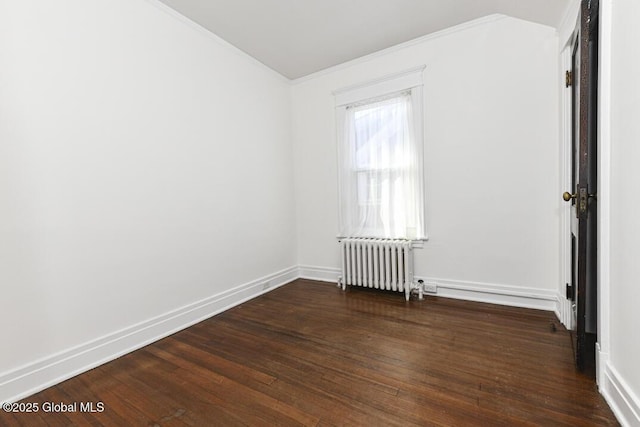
(622, 385)
(145, 165)
(491, 159)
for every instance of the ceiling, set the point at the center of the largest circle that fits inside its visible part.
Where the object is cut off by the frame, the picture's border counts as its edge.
(300, 37)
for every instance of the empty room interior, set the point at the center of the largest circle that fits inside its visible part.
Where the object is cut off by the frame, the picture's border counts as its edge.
(319, 213)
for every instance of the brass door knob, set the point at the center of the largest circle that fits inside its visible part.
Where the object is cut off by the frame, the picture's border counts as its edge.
(566, 196)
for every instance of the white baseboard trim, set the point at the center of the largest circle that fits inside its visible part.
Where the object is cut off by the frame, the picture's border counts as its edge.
(565, 312)
(621, 399)
(36, 376)
(602, 358)
(323, 274)
(516, 296)
(558, 310)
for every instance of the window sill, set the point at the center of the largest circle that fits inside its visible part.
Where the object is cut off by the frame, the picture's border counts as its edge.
(415, 244)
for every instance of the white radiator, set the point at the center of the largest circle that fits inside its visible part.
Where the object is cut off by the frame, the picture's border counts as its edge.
(377, 263)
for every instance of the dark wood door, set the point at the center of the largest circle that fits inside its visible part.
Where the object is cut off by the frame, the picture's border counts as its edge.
(584, 291)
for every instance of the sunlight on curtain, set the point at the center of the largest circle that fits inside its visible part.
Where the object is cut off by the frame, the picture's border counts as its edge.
(381, 171)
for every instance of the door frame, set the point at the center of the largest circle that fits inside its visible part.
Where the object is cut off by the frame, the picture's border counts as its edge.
(566, 63)
(604, 190)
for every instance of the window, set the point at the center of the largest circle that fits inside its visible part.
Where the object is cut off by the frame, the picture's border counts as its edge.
(381, 157)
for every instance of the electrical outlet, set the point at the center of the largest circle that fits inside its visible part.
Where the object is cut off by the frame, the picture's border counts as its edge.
(430, 287)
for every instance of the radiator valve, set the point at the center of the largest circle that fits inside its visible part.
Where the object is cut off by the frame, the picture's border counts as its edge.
(420, 289)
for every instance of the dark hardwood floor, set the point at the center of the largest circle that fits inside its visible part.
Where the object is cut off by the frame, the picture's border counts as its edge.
(310, 354)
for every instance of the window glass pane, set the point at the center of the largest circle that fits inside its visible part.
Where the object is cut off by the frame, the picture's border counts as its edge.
(379, 133)
(370, 186)
(380, 173)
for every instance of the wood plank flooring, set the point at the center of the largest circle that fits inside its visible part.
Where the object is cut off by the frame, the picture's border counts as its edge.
(310, 354)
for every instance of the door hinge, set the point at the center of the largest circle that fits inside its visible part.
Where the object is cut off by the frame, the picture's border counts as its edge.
(570, 292)
(568, 78)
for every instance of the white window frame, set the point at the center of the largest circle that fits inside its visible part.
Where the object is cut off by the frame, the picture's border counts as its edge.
(408, 80)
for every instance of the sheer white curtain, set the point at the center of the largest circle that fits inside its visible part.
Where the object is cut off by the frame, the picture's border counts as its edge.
(381, 170)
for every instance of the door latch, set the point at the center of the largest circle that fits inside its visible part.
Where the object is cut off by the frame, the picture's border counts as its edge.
(582, 197)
